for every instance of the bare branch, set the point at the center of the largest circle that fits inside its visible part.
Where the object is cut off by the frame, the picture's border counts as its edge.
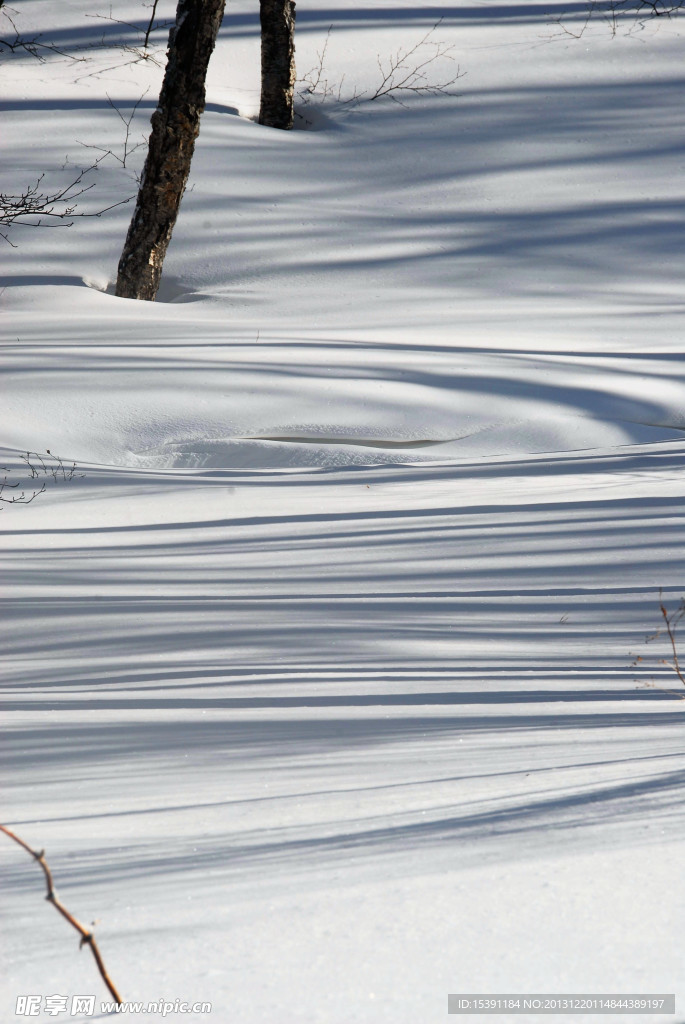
(87, 937)
(32, 45)
(150, 25)
(671, 623)
(314, 80)
(31, 207)
(671, 620)
(38, 467)
(404, 73)
(139, 53)
(127, 149)
(631, 13)
(21, 497)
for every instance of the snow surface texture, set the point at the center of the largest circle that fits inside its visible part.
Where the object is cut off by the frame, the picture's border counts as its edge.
(318, 684)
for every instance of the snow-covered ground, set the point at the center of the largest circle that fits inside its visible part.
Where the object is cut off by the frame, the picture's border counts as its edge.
(317, 675)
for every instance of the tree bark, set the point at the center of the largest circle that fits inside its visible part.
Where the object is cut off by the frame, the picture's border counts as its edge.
(175, 126)
(278, 62)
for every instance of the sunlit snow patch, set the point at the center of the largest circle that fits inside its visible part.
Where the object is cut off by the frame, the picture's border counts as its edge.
(290, 452)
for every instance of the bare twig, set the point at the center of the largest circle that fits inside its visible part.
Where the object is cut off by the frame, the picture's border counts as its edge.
(31, 207)
(32, 203)
(138, 56)
(634, 13)
(127, 24)
(672, 620)
(21, 497)
(138, 53)
(126, 148)
(114, 21)
(38, 467)
(314, 80)
(32, 45)
(577, 33)
(87, 937)
(151, 22)
(52, 466)
(405, 72)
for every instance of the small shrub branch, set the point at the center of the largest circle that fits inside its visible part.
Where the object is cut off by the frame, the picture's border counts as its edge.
(21, 497)
(404, 73)
(134, 54)
(616, 13)
(31, 45)
(39, 468)
(87, 937)
(31, 208)
(127, 147)
(150, 25)
(671, 621)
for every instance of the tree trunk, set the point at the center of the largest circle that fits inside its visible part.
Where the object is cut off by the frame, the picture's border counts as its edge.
(175, 126)
(278, 62)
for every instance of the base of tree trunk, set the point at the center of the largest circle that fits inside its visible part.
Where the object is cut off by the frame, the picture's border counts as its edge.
(175, 126)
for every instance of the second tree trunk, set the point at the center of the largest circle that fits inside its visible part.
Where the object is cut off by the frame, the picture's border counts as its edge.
(278, 62)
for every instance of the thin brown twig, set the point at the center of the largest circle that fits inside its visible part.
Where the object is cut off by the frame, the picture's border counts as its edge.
(30, 208)
(634, 13)
(20, 498)
(150, 24)
(401, 74)
(126, 147)
(33, 46)
(671, 621)
(87, 937)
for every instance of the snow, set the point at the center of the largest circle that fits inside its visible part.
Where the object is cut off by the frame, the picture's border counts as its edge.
(317, 675)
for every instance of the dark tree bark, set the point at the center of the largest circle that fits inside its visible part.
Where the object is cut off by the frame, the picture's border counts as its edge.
(175, 126)
(278, 62)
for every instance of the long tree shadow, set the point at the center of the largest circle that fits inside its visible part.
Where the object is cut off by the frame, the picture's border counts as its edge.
(107, 33)
(600, 810)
